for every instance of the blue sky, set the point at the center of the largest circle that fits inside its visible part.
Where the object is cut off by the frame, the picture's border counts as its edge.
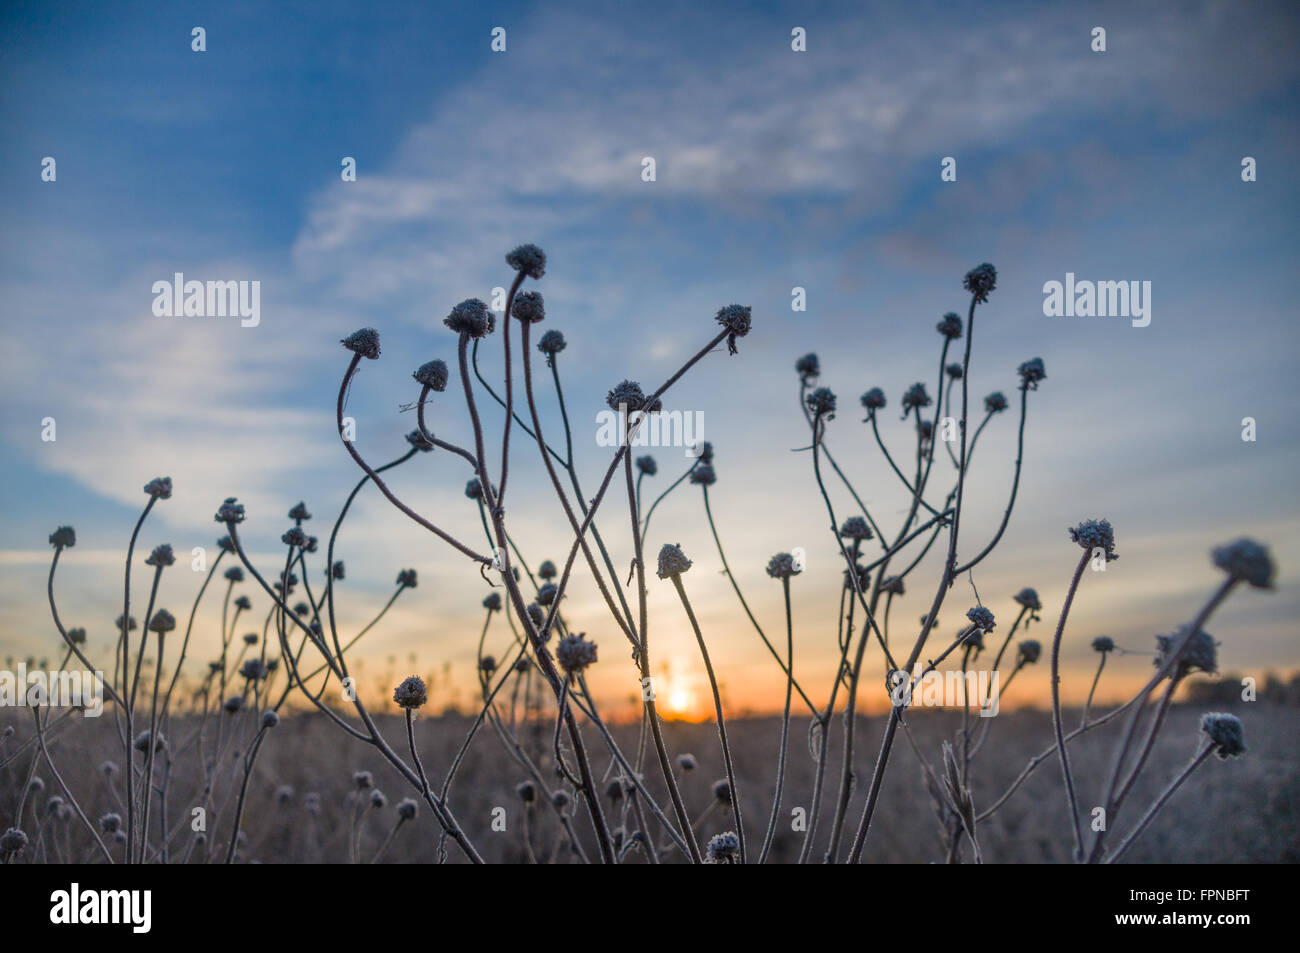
(775, 169)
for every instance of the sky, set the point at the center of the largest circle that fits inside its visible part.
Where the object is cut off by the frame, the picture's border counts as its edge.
(775, 169)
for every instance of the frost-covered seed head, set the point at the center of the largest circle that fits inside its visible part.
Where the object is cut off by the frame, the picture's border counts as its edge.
(723, 848)
(529, 259)
(411, 693)
(110, 823)
(407, 809)
(270, 719)
(1096, 534)
(364, 342)
(362, 780)
(722, 790)
(419, 441)
(294, 537)
(736, 318)
(471, 317)
(230, 511)
(686, 762)
(546, 594)
(253, 669)
(982, 618)
(160, 488)
(432, 374)
(575, 653)
(672, 561)
(1225, 733)
(528, 306)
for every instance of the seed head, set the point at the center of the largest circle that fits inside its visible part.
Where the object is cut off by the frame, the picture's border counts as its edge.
(130, 624)
(471, 317)
(672, 561)
(337, 570)
(1225, 733)
(110, 823)
(873, 399)
(722, 790)
(821, 401)
(362, 780)
(311, 802)
(1096, 534)
(1201, 654)
(614, 790)
(982, 618)
(781, 566)
(233, 704)
(77, 636)
(492, 602)
(294, 537)
(527, 791)
(808, 367)
(528, 306)
(528, 259)
(13, 841)
(432, 374)
(892, 585)
(253, 669)
(1103, 644)
(230, 511)
(995, 402)
(299, 512)
(915, 397)
(162, 622)
(141, 742)
(723, 848)
(1031, 372)
(65, 537)
(364, 342)
(377, 799)
(980, 280)
(864, 578)
(974, 640)
(551, 344)
(950, 326)
(1030, 650)
(546, 594)
(235, 574)
(411, 693)
(703, 475)
(487, 664)
(407, 809)
(161, 556)
(242, 602)
(160, 488)
(647, 465)
(560, 799)
(1029, 599)
(407, 579)
(270, 719)
(538, 616)
(954, 371)
(575, 653)
(629, 397)
(1246, 560)
(686, 762)
(284, 793)
(736, 319)
(855, 527)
